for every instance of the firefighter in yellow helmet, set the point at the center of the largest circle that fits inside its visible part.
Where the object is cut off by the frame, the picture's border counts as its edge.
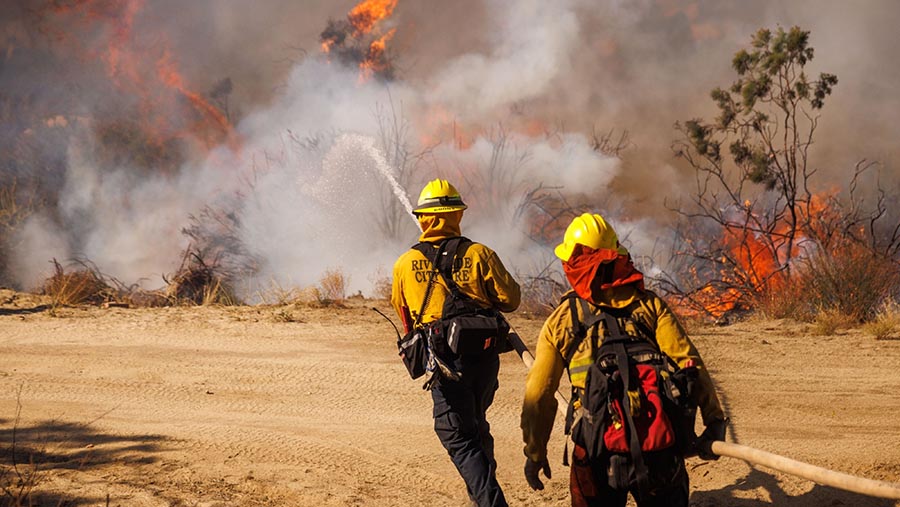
(459, 405)
(608, 294)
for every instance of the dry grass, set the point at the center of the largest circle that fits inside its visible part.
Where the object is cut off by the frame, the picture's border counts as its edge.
(785, 302)
(198, 282)
(278, 295)
(82, 285)
(886, 323)
(285, 315)
(333, 286)
(829, 321)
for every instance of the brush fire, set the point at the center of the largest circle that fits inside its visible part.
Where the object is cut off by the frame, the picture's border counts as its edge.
(201, 203)
(131, 140)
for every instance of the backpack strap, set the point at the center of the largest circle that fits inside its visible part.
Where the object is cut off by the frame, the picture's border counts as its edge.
(579, 330)
(443, 263)
(641, 473)
(427, 250)
(581, 327)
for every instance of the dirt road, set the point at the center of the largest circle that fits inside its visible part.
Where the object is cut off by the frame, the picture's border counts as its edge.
(300, 406)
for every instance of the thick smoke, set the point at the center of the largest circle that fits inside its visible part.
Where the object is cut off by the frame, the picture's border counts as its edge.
(533, 45)
(500, 97)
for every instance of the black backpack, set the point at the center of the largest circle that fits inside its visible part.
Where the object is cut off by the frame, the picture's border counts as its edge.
(635, 398)
(465, 328)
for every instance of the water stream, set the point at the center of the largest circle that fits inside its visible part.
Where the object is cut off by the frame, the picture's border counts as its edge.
(365, 144)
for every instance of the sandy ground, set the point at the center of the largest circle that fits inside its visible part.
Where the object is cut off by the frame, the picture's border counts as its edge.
(293, 405)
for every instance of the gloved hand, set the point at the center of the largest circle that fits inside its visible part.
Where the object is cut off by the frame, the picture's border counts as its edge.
(532, 469)
(505, 344)
(714, 431)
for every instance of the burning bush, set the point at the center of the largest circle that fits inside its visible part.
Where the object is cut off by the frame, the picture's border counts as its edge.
(354, 42)
(213, 262)
(84, 284)
(198, 282)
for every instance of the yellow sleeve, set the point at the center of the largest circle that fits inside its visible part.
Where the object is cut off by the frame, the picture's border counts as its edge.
(498, 284)
(674, 342)
(539, 405)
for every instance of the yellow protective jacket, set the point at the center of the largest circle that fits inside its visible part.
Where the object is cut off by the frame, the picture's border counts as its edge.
(556, 339)
(480, 275)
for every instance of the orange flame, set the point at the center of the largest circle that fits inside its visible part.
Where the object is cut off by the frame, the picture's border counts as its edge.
(126, 65)
(375, 59)
(754, 263)
(366, 14)
(213, 124)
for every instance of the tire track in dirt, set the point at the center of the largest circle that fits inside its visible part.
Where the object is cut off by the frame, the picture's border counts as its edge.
(321, 412)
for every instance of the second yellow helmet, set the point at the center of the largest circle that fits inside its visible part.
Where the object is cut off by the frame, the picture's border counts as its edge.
(590, 230)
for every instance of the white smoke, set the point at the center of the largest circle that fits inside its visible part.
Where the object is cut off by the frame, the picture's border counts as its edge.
(533, 45)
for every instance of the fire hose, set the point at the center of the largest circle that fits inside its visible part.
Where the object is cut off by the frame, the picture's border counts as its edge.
(823, 476)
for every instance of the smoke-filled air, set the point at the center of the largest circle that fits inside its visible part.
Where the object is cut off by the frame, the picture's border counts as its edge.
(274, 142)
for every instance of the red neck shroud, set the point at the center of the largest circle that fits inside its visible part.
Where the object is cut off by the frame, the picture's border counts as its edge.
(591, 271)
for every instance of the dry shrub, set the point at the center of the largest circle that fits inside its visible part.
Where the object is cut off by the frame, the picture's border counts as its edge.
(382, 285)
(829, 320)
(541, 295)
(784, 302)
(851, 281)
(886, 323)
(78, 286)
(382, 288)
(18, 481)
(285, 315)
(333, 286)
(198, 282)
(276, 294)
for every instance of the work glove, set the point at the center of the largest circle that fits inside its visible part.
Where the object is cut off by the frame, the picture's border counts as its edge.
(505, 344)
(714, 431)
(532, 470)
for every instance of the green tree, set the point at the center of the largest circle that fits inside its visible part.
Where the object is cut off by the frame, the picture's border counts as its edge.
(752, 165)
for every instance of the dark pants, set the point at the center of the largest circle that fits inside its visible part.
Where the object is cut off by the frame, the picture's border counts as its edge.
(460, 424)
(589, 482)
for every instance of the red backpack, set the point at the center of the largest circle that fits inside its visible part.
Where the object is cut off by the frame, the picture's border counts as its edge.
(635, 398)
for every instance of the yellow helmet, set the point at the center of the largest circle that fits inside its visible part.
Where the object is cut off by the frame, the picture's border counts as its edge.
(589, 230)
(439, 196)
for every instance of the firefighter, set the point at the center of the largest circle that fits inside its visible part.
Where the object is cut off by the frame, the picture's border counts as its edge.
(459, 406)
(600, 271)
